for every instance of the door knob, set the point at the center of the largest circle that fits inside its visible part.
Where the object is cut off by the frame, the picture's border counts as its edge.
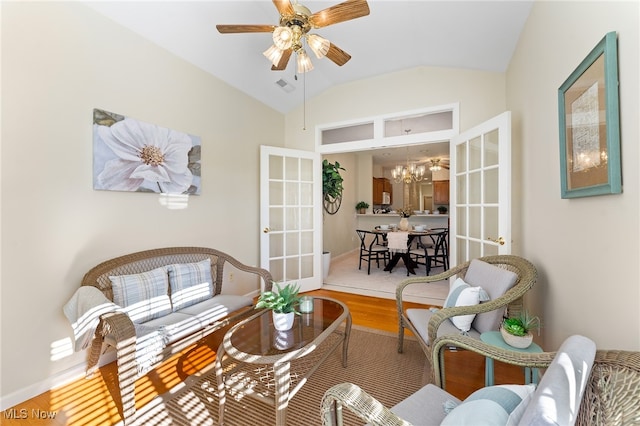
(500, 240)
(266, 230)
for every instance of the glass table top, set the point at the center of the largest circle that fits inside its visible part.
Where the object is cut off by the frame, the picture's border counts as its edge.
(257, 335)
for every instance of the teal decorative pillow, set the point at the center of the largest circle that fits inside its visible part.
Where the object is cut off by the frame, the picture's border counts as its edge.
(190, 283)
(493, 405)
(462, 294)
(143, 296)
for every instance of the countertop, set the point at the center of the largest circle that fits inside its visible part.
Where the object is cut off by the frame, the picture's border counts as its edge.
(397, 215)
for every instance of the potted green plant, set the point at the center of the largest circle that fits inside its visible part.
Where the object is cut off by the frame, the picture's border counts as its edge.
(282, 303)
(331, 186)
(442, 209)
(516, 330)
(362, 207)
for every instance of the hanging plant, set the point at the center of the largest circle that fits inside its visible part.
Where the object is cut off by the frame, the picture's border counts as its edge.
(331, 186)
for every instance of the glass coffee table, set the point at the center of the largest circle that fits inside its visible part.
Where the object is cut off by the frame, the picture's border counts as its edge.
(256, 360)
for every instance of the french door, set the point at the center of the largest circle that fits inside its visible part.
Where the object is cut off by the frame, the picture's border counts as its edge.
(291, 200)
(291, 216)
(480, 217)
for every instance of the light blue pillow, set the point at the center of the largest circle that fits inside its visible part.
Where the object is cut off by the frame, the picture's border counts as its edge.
(143, 296)
(190, 283)
(492, 405)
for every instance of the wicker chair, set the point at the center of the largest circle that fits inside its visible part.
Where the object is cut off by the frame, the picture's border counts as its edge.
(430, 328)
(610, 396)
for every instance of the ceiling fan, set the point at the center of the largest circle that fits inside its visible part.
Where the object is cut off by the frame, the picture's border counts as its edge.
(293, 31)
(436, 164)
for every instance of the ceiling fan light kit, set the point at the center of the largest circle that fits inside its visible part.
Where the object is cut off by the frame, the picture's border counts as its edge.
(292, 32)
(435, 165)
(273, 54)
(319, 45)
(283, 37)
(304, 62)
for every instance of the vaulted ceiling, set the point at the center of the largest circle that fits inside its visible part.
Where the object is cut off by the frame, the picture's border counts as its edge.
(396, 35)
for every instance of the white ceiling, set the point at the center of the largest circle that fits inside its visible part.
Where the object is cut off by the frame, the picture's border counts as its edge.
(396, 35)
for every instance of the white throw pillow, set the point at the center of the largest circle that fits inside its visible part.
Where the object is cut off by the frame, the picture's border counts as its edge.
(462, 294)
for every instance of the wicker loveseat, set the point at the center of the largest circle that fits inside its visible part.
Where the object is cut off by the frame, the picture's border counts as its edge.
(155, 303)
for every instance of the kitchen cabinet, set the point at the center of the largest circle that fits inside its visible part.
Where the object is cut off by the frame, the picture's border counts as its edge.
(381, 185)
(440, 192)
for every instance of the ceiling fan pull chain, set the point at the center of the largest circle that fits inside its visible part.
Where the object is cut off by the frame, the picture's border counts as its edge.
(304, 101)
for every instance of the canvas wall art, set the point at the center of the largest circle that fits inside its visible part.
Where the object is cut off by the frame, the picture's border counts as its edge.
(131, 155)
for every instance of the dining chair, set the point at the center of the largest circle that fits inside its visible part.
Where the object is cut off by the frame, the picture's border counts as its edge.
(432, 250)
(440, 254)
(372, 248)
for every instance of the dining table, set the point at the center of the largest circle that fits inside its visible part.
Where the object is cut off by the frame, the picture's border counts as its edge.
(402, 253)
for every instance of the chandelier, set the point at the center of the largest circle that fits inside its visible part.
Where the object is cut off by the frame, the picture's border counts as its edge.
(408, 173)
(435, 165)
(293, 34)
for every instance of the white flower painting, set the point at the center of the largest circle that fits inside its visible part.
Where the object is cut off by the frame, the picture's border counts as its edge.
(130, 155)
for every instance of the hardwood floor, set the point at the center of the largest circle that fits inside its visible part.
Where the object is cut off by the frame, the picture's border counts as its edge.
(91, 401)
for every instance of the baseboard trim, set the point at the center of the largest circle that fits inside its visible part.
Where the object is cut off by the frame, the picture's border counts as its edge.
(62, 378)
(52, 382)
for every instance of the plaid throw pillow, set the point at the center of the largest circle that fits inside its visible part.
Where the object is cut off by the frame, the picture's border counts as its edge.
(190, 283)
(143, 296)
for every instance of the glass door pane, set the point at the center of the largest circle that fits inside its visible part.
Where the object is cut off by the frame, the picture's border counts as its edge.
(482, 172)
(291, 227)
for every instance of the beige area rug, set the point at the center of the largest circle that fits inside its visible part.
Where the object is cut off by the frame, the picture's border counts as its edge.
(345, 276)
(373, 364)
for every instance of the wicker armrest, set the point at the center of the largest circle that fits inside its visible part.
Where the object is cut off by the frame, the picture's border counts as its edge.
(427, 279)
(118, 326)
(526, 278)
(613, 392)
(358, 402)
(522, 359)
(445, 313)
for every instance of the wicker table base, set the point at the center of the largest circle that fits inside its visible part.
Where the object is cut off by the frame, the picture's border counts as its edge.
(256, 361)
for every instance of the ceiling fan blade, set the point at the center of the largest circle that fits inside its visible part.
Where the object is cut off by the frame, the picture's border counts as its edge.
(345, 11)
(230, 29)
(284, 60)
(284, 7)
(337, 55)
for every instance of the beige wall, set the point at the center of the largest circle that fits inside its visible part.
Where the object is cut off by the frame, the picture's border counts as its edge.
(59, 61)
(481, 95)
(586, 249)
